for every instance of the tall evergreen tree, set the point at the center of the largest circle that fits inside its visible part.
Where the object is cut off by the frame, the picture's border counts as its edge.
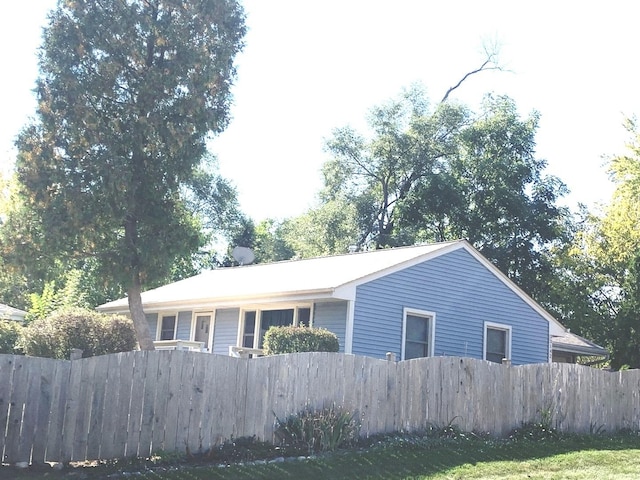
(128, 92)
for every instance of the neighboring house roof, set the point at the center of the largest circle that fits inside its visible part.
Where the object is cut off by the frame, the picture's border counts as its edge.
(315, 278)
(577, 345)
(10, 313)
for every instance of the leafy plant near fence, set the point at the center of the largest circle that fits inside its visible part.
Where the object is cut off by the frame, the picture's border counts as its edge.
(320, 430)
(293, 339)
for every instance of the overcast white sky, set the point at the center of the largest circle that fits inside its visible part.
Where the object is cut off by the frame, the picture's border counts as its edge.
(309, 67)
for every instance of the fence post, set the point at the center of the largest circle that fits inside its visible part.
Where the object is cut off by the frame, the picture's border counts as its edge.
(506, 362)
(391, 357)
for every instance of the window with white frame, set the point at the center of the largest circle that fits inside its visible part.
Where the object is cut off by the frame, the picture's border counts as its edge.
(497, 342)
(257, 322)
(418, 339)
(168, 327)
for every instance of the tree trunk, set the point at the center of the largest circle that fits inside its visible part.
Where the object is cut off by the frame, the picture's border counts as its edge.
(143, 334)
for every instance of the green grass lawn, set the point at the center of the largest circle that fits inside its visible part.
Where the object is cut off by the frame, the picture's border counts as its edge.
(567, 457)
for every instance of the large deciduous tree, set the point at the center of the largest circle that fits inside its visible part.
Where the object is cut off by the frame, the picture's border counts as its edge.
(446, 173)
(493, 192)
(410, 141)
(128, 92)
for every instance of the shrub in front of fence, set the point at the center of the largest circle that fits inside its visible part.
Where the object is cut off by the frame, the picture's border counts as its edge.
(320, 430)
(292, 339)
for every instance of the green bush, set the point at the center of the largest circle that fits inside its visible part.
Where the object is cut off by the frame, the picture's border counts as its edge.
(9, 335)
(299, 339)
(319, 430)
(93, 333)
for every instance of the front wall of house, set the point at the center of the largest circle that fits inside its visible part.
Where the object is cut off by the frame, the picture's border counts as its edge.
(463, 294)
(333, 317)
(225, 330)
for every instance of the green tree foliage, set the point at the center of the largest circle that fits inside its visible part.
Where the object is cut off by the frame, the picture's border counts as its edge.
(410, 141)
(446, 173)
(93, 333)
(10, 333)
(70, 295)
(292, 339)
(626, 339)
(329, 229)
(266, 239)
(493, 192)
(128, 92)
(597, 275)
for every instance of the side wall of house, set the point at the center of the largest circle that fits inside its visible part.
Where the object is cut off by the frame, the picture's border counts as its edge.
(225, 330)
(463, 294)
(333, 317)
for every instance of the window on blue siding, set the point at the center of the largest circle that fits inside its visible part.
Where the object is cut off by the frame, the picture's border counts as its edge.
(257, 322)
(497, 342)
(168, 328)
(274, 318)
(418, 334)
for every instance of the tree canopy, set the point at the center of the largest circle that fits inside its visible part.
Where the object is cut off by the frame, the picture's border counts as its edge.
(128, 92)
(443, 173)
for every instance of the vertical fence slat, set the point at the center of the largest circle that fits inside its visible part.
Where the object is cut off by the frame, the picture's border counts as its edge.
(55, 429)
(148, 406)
(136, 403)
(18, 405)
(6, 373)
(47, 366)
(196, 411)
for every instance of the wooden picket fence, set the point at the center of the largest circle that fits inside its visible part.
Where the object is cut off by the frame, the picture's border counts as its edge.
(136, 403)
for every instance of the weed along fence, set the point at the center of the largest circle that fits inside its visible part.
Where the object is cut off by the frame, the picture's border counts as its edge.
(135, 403)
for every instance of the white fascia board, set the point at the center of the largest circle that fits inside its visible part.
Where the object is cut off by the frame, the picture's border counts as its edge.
(555, 327)
(233, 302)
(403, 265)
(345, 292)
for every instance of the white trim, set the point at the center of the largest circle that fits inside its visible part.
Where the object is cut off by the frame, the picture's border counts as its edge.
(348, 333)
(432, 328)
(213, 329)
(497, 326)
(194, 326)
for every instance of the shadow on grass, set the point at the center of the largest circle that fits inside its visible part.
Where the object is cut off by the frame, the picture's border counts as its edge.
(390, 457)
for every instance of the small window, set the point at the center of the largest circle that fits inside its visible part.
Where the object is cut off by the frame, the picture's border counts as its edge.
(304, 317)
(418, 338)
(249, 329)
(274, 318)
(167, 331)
(497, 342)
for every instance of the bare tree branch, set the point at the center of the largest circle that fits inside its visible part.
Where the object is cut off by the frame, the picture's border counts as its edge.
(490, 63)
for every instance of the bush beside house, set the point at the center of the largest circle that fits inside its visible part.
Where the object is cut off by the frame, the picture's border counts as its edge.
(292, 339)
(10, 332)
(93, 333)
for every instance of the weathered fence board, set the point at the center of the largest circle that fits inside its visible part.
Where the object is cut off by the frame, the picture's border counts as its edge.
(137, 403)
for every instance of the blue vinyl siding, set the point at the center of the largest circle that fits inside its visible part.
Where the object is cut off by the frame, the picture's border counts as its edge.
(463, 294)
(152, 320)
(183, 330)
(225, 331)
(333, 317)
